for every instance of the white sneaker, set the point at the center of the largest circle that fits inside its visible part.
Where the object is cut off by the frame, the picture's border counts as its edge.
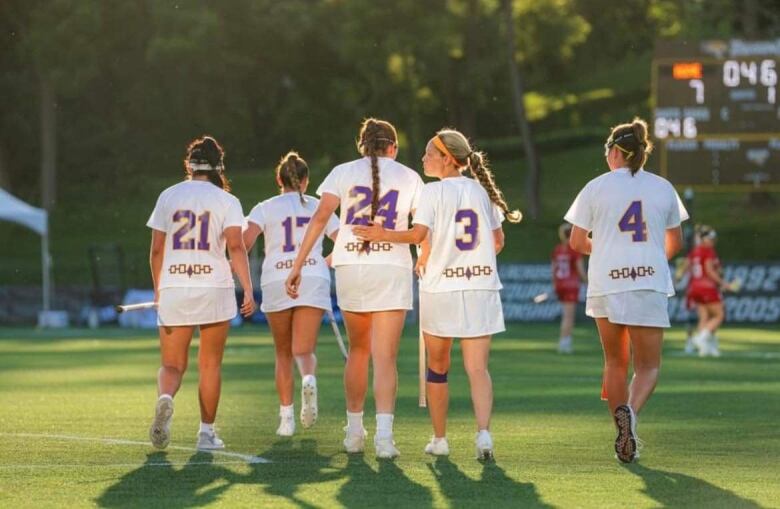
(565, 345)
(208, 441)
(700, 340)
(438, 447)
(712, 346)
(484, 443)
(690, 348)
(309, 401)
(354, 442)
(385, 447)
(160, 431)
(286, 425)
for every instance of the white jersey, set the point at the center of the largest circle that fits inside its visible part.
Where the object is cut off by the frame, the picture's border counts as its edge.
(283, 220)
(461, 218)
(629, 216)
(194, 215)
(399, 191)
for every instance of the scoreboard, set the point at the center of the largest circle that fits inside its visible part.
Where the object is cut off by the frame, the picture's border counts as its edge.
(716, 114)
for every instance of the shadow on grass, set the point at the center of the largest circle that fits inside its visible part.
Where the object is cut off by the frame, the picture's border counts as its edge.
(493, 487)
(386, 487)
(672, 489)
(157, 483)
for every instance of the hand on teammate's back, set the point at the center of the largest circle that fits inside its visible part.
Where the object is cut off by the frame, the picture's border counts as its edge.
(370, 233)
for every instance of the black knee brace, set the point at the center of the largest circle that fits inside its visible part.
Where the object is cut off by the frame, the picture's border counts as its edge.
(436, 378)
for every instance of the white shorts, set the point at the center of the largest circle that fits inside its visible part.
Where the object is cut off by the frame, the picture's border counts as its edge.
(314, 291)
(645, 308)
(462, 314)
(195, 306)
(367, 288)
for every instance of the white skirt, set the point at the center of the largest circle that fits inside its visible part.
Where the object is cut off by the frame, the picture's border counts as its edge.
(314, 292)
(368, 288)
(646, 308)
(195, 306)
(462, 314)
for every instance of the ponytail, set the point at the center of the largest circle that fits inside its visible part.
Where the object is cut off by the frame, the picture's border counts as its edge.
(291, 171)
(633, 141)
(205, 157)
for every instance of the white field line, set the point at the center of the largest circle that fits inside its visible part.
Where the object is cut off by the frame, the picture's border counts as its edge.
(247, 458)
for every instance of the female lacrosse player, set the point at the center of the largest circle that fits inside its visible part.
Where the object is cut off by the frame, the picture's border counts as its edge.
(568, 269)
(704, 288)
(459, 293)
(192, 223)
(634, 217)
(294, 323)
(373, 279)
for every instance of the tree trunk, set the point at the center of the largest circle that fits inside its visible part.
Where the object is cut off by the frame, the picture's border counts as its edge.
(5, 178)
(518, 93)
(48, 146)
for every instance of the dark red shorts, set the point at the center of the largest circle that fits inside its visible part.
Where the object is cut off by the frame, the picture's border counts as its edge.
(567, 294)
(703, 296)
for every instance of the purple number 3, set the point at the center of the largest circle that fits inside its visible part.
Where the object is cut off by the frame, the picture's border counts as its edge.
(470, 237)
(632, 221)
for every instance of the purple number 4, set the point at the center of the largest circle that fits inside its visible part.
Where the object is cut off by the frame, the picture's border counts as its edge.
(632, 221)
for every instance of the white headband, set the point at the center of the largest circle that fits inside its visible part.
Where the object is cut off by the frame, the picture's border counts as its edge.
(203, 167)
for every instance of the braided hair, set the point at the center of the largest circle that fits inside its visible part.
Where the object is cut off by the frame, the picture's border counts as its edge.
(632, 140)
(206, 157)
(477, 164)
(375, 137)
(291, 171)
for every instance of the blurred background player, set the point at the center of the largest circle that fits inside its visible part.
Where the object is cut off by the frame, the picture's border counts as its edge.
(373, 280)
(459, 291)
(295, 324)
(568, 269)
(634, 217)
(192, 224)
(704, 291)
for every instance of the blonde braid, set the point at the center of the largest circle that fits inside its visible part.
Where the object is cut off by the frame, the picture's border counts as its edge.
(479, 169)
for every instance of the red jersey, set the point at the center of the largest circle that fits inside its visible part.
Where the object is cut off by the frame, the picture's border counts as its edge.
(697, 259)
(564, 264)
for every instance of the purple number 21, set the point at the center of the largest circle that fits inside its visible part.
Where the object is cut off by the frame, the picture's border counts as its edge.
(632, 221)
(179, 242)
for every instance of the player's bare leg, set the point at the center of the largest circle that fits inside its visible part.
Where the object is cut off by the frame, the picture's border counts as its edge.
(715, 315)
(568, 310)
(438, 354)
(174, 349)
(476, 354)
(306, 323)
(614, 339)
(385, 340)
(282, 331)
(306, 326)
(358, 327)
(647, 343)
(212, 346)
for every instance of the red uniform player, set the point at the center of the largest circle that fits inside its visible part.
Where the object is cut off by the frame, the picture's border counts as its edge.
(568, 269)
(704, 288)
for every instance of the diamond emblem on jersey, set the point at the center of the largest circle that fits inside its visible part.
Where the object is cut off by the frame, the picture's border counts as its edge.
(190, 269)
(631, 272)
(468, 272)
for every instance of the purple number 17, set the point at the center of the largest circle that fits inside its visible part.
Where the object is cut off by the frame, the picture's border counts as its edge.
(300, 222)
(632, 221)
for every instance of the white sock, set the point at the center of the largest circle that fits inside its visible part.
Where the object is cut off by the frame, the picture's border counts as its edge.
(165, 396)
(355, 421)
(384, 425)
(309, 378)
(287, 411)
(206, 428)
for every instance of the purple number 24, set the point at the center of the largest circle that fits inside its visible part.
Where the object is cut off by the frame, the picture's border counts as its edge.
(179, 242)
(388, 206)
(632, 221)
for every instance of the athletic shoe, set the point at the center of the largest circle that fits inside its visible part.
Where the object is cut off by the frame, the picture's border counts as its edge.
(286, 426)
(309, 401)
(209, 441)
(484, 443)
(438, 447)
(385, 447)
(354, 442)
(160, 431)
(625, 443)
(565, 345)
(712, 346)
(690, 348)
(700, 340)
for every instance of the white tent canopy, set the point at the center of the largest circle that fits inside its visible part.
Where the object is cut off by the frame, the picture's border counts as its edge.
(16, 211)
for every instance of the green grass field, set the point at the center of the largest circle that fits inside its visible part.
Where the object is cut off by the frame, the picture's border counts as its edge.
(77, 405)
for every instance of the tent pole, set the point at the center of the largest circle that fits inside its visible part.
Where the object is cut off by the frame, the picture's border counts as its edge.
(46, 269)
